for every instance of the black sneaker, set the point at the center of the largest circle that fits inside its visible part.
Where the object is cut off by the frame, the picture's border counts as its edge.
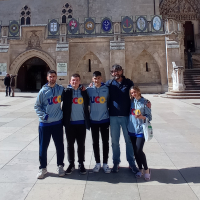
(115, 168)
(82, 169)
(134, 169)
(70, 169)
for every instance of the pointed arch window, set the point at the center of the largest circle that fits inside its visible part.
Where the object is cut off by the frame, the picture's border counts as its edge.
(25, 16)
(67, 12)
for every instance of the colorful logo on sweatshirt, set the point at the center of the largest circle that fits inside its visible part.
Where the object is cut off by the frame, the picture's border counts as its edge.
(98, 99)
(132, 111)
(77, 100)
(54, 100)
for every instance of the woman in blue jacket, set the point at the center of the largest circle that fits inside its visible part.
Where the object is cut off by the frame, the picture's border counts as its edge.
(138, 114)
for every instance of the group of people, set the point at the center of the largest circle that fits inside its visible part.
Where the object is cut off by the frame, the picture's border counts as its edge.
(100, 106)
(9, 82)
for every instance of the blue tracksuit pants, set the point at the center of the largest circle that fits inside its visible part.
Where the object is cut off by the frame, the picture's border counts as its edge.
(45, 133)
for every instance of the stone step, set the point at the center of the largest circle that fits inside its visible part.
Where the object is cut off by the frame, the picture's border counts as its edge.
(180, 97)
(192, 88)
(186, 91)
(182, 94)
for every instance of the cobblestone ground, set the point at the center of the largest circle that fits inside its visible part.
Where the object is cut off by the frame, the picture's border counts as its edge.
(173, 156)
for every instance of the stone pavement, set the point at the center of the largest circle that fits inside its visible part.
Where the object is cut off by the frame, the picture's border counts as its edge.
(173, 156)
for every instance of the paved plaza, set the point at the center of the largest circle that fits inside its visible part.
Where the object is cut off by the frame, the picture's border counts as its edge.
(173, 156)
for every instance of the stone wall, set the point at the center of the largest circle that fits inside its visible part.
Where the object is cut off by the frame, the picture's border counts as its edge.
(43, 10)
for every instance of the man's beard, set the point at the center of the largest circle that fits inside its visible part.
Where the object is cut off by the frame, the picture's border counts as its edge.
(118, 77)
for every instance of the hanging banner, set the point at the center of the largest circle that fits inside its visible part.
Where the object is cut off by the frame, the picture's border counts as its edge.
(14, 28)
(127, 24)
(156, 23)
(53, 27)
(62, 69)
(141, 23)
(3, 69)
(106, 25)
(90, 26)
(73, 26)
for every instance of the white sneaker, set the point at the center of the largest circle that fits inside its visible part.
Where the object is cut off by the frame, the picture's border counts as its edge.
(42, 173)
(97, 167)
(60, 170)
(106, 168)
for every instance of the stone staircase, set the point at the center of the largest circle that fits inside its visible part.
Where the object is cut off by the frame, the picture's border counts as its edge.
(192, 86)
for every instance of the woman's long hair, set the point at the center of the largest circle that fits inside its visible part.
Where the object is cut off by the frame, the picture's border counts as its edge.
(136, 88)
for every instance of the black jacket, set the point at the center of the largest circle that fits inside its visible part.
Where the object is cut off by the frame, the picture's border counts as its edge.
(7, 81)
(67, 107)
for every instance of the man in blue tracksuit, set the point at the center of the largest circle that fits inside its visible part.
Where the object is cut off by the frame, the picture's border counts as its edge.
(119, 107)
(48, 108)
(76, 120)
(99, 118)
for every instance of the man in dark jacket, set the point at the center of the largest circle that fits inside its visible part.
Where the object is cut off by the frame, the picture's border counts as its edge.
(76, 120)
(119, 108)
(7, 84)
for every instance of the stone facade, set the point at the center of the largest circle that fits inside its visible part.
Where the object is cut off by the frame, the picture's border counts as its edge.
(145, 57)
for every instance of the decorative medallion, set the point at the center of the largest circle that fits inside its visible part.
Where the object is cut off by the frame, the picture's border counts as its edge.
(14, 28)
(53, 27)
(156, 23)
(106, 25)
(127, 24)
(73, 26)
(89, 26)
(141, 24)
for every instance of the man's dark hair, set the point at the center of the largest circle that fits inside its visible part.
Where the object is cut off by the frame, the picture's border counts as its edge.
(76, 75)
(96, 73)
(116, 67)
(51, 72)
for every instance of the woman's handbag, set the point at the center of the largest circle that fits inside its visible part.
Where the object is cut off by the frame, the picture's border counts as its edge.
(148, 131)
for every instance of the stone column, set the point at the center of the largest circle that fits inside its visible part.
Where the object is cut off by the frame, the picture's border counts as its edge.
(117, 53)
(177, 77)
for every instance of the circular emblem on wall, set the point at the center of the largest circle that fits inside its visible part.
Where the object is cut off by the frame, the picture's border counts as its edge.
(89, 26)
(14, 28)
(141, 23)
(127, 24)
(73, 26)
(106, 25)
(156, 23)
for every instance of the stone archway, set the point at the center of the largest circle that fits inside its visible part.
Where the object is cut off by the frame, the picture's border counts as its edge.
(146, 70)
(87, 65)
(23, 57)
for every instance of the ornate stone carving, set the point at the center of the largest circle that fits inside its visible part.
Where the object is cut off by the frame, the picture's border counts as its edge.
(34, 41)
(180, 9)
(23, 57)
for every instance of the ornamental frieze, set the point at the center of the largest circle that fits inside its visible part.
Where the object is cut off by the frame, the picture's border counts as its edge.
(180, 9)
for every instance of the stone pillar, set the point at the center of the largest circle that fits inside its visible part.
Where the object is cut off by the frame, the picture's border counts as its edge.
(117, 53)
(177, 77)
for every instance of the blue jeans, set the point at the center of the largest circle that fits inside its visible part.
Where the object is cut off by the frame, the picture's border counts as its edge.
(115, 123)
(8, 89)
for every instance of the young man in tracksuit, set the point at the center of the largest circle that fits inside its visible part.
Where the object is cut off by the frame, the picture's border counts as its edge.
(76, 120)
(99, 118)
(48, 108)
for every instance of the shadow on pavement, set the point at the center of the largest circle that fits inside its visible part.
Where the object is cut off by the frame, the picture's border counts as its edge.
(167, 176)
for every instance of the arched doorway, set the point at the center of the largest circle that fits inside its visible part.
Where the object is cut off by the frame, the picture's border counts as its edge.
(146, 70)
(87, 65)
(32, 75)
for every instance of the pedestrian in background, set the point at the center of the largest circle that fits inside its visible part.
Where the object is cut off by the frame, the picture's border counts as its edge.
(12, 84)
(7, 84)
